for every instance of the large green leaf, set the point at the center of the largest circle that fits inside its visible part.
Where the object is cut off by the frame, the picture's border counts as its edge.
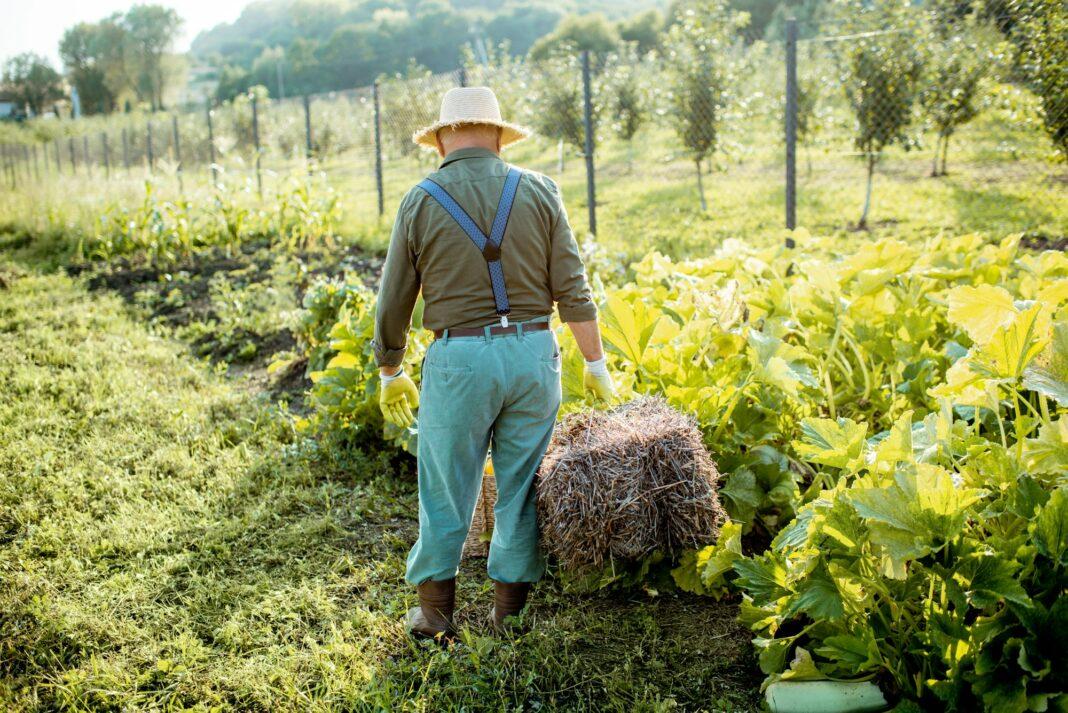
(1011, 349)
(987, 580)
(763, 577)
(857, 652)
(919, 512)
(779, 364)
(819, 596)
(838, 444)
(1048, 375)
(1051, 528)
(980, 311)
(1048, 452)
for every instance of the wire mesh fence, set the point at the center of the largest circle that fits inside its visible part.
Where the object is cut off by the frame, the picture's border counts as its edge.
(957, 113)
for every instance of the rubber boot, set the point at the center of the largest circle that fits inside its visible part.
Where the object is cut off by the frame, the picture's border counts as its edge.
(432, 619)
(508, 601)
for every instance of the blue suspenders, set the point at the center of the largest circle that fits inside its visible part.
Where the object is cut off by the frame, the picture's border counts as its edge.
(490, 246)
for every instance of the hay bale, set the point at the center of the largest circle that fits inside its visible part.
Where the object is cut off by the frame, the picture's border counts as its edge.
(478, 535)
(625, 483)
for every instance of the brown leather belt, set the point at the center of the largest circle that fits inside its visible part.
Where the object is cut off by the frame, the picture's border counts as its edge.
(494, 331)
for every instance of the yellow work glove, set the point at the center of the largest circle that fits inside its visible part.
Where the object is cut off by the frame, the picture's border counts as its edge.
(597, 381)
(397, 399)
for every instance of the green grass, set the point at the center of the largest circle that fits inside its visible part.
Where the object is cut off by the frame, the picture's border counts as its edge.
(167, 541)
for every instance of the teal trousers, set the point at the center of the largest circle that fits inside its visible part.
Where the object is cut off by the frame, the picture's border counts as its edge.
(500, 391)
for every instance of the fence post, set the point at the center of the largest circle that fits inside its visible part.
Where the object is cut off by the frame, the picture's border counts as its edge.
(5, 156)
(85, 155)
(587, 123)
(256, 141)
(378, 148)
(148, 144)
(26, 159)
(791, 127)
(461, 76)
(177, 151)
(59, 165)
(307, 133)
(73, 162)
(36, 166)
(107, 154)
(125, 150)
(211, 149)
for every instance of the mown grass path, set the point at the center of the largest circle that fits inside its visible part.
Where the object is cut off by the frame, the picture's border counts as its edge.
(167, 543)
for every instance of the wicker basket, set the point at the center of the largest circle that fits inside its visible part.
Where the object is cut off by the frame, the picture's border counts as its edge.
(478, 537)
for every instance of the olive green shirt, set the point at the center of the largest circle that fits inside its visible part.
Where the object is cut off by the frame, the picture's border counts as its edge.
(429, 251)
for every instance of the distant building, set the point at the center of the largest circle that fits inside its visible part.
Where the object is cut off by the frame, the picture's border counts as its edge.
(9, 109)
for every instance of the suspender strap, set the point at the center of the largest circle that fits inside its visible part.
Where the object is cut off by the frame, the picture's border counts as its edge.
(490, 246)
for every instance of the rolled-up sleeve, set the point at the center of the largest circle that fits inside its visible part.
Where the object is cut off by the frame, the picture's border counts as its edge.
(396, 295)
(567, 274)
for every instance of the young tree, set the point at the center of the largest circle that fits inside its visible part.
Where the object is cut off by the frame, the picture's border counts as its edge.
(624, 95)
(1041, 33)
(32, 81)
(880, 72)
(92, 55)
(950, 92)
(150, 32)
(559, 107)
(698, 76)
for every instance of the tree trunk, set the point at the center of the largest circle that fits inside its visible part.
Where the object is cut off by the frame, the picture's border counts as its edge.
(700, 185)
(934, 161)
(863, 222)
(560, 156)
(945, 150)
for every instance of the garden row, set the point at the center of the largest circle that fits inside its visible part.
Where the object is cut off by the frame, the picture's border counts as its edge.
(892, 426)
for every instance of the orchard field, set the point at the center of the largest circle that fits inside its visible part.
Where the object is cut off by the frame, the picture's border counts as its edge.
(200, 506)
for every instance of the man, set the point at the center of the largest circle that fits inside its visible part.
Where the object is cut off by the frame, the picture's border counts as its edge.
(491, 250)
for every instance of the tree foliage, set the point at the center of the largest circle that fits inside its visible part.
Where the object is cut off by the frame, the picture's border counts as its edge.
(32, 81)
(578, 32)
(951, 91)
(880, 72)
(699, 74)
(1041, 33)
(123, 54)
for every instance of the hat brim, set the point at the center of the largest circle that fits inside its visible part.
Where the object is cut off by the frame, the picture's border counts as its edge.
(510, 133)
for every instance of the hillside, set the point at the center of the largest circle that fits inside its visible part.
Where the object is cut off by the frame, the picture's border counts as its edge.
(323, 45)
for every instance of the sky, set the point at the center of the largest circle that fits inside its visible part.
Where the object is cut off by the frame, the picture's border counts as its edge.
(37, 25)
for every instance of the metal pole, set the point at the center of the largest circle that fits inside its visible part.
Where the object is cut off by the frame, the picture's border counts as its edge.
(107, 154)
(256, 141)
(587, 123)
(85, 155)
(378, 149)
(791, 127)
(211, 149)
(125, 150)
(148, 144)
(307, 133)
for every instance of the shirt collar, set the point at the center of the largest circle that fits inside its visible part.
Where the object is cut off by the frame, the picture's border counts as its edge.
(460, 154)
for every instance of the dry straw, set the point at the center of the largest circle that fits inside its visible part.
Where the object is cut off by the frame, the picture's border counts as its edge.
(626, 483)
(618, 484)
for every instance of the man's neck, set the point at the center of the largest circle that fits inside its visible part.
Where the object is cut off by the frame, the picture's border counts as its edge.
(471, 145)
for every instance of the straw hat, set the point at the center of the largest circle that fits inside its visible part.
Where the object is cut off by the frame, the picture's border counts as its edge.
(469, 105)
